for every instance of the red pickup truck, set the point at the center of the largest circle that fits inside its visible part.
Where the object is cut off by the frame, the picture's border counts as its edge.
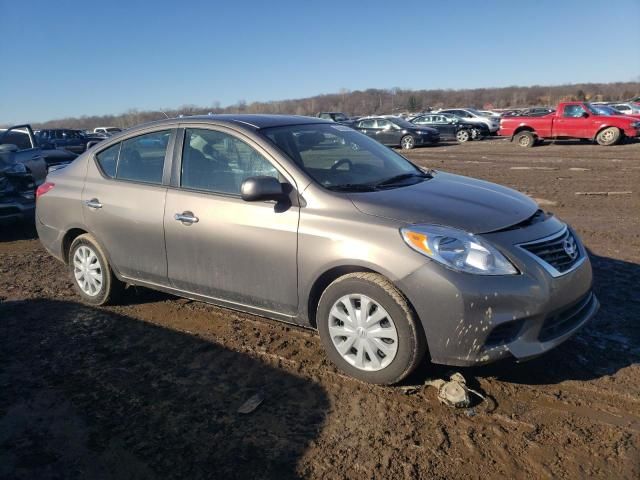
(570, 120)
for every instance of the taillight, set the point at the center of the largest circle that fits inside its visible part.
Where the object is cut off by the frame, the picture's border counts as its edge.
(44, 188)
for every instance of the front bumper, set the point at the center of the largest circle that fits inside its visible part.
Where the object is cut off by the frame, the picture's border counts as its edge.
(473, 319)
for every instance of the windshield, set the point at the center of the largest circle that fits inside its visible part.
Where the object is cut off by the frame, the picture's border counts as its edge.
(340, 117)
(475, 112)
(113, 130)
(338, 157)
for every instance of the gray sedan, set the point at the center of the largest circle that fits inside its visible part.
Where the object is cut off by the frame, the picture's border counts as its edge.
(313, 223)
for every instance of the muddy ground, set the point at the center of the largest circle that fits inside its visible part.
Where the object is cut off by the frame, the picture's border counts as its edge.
(150, 388)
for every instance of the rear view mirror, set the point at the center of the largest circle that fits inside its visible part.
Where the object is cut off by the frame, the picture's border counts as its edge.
(260, 189)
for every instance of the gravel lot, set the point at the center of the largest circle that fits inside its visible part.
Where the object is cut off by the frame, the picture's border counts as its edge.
(151, 388)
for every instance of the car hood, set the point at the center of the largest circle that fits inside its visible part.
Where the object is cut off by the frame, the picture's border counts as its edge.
(461, 202)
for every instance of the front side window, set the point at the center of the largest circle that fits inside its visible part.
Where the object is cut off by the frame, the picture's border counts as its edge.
(574, 111)
(217, 162)
(338, 157)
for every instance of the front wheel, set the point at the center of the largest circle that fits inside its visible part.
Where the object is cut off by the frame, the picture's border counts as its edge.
(93, 279)
(407, 142)
(369, 330)
(608, 136)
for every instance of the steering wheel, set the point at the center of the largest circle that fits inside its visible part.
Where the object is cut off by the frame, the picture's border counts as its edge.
(340, 162)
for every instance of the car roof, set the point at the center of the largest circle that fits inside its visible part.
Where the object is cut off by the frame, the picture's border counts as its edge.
(253, 121)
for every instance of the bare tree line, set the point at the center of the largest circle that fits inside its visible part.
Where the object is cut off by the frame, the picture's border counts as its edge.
(376, 101)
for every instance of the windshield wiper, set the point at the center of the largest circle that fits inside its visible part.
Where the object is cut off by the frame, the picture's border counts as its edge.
(352, 187)
(403, 176)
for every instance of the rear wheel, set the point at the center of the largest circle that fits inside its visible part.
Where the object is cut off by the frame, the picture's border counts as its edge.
(369, 330)
(463, 136)
(407, 142)
(93, 279)
(526, 139)
(609, 136)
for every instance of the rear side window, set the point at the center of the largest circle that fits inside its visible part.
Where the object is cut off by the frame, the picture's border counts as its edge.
(108, 159)
(141, 158)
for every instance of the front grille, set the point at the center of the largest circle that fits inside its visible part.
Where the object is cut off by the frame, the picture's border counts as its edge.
(562, 251)
(564, 321)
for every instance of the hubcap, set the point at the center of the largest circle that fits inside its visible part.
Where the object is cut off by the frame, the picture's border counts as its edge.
(607, 135)
(407, 143)
(363, 332)
(463, 136)
(524, 141)
(87, 271)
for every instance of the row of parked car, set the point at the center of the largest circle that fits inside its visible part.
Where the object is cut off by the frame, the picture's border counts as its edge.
(429, 128)
(603, 123)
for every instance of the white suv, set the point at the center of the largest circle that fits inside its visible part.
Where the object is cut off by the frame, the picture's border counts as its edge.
(474, 116)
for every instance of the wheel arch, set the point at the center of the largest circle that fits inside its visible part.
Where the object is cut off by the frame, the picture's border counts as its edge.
(523, 128)
(604, 127)
(329, 276)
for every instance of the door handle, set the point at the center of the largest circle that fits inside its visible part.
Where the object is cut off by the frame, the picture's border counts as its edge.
(93, 203)
(186, 217)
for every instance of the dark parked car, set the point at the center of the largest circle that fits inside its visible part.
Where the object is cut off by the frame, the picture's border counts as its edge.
(313, 223)
(451, 127)
(536, 111)
(73, 140)
(397, 132)
(334, 116)
(23, 167)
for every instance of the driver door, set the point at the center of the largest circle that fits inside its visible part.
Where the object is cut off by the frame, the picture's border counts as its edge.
(386, 133)
(571, 123)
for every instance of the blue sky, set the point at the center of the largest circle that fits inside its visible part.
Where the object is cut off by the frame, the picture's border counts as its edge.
(67, 58)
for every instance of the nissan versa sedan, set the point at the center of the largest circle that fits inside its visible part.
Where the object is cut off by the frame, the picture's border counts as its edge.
(310, 222)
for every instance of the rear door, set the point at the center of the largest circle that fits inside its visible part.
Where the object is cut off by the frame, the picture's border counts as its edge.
(243, 253)
(386, 132)
(123, 203)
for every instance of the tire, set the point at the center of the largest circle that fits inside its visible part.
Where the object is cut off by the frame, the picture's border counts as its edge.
(526, 139)
(100, 287)
(397, 329)
(463, 136)
(609, 136)
(407, 142)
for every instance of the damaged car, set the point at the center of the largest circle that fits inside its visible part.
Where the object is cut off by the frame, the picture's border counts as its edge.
(312, 223)
(23, 167)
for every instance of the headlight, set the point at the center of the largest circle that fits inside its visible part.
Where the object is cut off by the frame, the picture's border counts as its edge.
(635, 124)
(457, 250)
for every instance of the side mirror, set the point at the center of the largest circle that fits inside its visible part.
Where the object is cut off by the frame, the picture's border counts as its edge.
(584, 115)
(91, 143)
(260, 189)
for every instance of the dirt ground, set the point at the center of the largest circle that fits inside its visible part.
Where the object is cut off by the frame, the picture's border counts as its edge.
(151, 388)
